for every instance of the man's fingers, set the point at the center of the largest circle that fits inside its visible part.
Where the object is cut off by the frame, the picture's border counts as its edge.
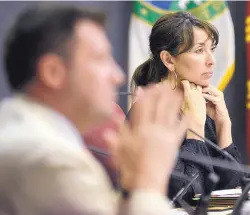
(138, 94)
(144, 109)
(113, 143)
(182, 128)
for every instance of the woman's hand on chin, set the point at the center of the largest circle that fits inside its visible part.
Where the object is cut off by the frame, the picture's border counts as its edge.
(194, 108)
(216, 106)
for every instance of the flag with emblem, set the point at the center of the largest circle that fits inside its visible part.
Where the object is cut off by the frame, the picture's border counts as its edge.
(247, 39)
(145, 13)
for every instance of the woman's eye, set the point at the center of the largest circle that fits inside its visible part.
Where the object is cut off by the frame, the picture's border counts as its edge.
(198, 51)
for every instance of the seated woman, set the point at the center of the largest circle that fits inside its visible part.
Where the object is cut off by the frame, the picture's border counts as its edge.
(182, 54)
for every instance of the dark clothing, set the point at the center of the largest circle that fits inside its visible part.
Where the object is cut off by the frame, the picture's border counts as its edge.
(228, 179)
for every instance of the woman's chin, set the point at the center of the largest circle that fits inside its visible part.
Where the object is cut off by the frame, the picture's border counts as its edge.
(203, 83)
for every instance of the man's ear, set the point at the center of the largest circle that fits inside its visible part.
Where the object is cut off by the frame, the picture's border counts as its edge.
(52, 71)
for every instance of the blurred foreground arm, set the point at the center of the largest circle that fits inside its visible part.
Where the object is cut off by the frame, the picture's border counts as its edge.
(146, 149)
(71, 182)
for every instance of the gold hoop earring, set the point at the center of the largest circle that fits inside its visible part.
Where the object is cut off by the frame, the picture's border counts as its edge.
(176, 79)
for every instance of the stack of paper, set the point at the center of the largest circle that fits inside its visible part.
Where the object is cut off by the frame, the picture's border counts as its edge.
(223, 198)
(217, 212)
(221, 202)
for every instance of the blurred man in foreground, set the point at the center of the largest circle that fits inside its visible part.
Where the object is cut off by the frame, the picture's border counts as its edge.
(60, 68)
(95, 137)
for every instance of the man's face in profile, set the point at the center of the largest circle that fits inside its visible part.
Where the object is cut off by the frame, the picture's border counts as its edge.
(94, 75)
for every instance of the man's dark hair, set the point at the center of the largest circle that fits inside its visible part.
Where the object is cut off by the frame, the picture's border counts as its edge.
(37, 31)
